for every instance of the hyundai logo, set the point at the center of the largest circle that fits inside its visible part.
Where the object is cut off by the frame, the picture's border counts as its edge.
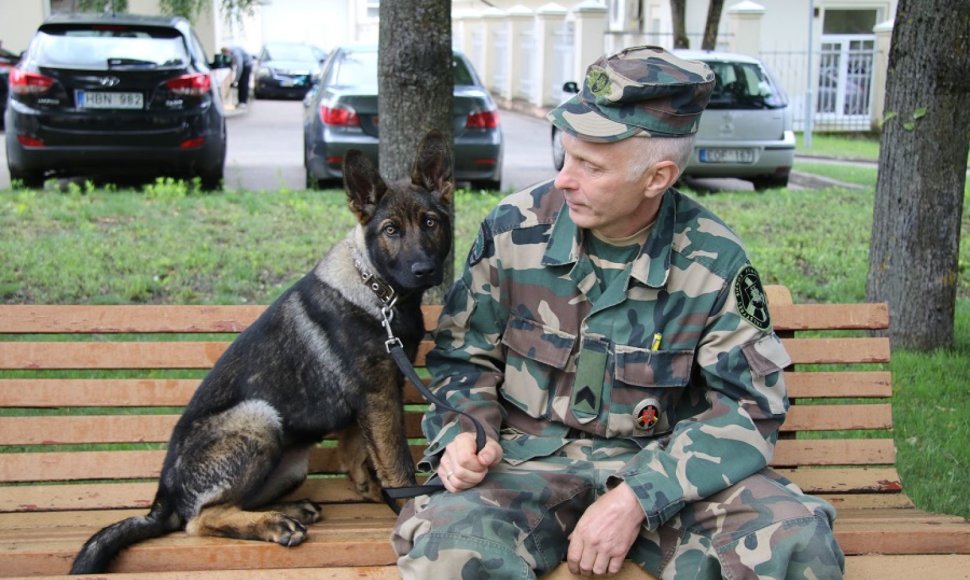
(108, 81)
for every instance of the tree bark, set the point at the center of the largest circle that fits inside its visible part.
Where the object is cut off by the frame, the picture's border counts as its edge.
(415, 82)
(714, 9)
(913, 259)
(678, 17)
(415, 90)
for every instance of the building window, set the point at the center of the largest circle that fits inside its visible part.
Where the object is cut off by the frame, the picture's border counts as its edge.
(849, 21)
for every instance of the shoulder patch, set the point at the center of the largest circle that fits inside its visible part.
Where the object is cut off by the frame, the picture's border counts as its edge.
(751, 298)
(480, 246)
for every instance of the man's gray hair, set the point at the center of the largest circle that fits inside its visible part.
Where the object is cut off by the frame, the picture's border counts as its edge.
(656, 149)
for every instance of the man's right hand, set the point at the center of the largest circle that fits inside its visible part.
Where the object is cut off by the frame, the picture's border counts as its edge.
(461, 468)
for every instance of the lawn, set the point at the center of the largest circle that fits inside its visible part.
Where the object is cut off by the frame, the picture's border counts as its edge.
(166, 245)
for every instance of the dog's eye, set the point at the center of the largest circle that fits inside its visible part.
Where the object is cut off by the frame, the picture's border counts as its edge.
(430, 222)
(390, 229)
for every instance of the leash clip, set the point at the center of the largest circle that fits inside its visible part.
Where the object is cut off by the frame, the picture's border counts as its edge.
(387, 315)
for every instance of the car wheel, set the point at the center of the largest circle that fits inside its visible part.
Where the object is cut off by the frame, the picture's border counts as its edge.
(28, 179)
(558, 153)
(312, 182)
(770, 182)
(486, 184)
(211, 180)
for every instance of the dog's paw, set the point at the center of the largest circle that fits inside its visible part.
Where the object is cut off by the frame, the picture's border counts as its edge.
(304, 511)
(283, 530)
(369, 490)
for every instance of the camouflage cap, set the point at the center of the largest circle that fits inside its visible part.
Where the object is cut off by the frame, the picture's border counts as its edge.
(642, 90)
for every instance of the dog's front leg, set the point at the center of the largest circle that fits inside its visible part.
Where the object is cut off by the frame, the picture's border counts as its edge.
(382, 424)
(353, 456)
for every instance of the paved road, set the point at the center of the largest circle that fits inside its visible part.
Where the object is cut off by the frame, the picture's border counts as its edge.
(266, 148)
(266, 151)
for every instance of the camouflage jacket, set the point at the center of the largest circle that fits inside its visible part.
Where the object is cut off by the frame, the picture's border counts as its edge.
(675, 356)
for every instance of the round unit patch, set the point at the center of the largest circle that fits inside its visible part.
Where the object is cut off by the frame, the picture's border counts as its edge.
(751, 298)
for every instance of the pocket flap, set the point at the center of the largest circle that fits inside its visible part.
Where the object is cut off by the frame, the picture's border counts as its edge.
(537, 342)
(766, 355)
(642, 367)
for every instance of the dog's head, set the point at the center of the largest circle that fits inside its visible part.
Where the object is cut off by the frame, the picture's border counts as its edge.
(407, 224)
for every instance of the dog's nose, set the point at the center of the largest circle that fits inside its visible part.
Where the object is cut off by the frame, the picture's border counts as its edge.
(422, 269)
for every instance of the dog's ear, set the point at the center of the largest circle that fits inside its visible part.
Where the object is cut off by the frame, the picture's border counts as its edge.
(433, 166)
(364, 185)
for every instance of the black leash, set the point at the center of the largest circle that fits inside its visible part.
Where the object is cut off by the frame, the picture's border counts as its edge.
(396, 350)
(388, 297)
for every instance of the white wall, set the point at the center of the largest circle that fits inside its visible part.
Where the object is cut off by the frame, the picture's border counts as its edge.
(324, 23)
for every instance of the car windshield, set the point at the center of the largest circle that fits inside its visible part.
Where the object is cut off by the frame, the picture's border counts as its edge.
(359, 69)
(111, 46)
(297, 52)
(744, 86)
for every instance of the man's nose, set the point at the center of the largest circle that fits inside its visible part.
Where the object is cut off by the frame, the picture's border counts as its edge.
(564, 179)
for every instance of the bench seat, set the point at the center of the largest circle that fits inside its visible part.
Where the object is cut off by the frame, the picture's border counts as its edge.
(89, 394)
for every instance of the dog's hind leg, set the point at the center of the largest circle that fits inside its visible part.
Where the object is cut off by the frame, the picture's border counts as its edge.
(232, 522)
(233, 462)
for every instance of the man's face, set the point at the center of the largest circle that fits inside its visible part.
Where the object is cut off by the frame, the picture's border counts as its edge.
(601, 193)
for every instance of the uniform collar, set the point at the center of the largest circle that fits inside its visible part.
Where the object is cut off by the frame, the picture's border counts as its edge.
(651, 267)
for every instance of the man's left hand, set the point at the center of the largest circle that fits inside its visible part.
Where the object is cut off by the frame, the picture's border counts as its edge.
(605, 532)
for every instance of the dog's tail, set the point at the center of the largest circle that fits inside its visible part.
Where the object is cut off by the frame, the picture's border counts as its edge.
(103, 546)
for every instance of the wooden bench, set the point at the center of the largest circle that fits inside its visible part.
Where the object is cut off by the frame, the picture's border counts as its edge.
(89, 394)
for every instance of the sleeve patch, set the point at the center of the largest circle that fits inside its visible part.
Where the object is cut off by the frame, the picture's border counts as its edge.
(751, 298)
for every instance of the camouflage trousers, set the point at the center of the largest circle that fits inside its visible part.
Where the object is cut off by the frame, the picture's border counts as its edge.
(515, 524)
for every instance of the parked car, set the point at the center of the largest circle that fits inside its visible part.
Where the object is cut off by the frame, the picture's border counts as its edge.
(746, 131)
(107, 95)
(286, 69)
(341, 113)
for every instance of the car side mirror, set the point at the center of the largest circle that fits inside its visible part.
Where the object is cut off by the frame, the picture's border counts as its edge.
(570, 87)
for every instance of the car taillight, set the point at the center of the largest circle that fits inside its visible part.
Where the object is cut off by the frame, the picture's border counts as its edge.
(28, 83)
(339, 116)
(482, 120)
(192, 85)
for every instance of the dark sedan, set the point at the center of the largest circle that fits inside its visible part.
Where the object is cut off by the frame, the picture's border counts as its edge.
(286, 69)
(341, 114)
(105, 95)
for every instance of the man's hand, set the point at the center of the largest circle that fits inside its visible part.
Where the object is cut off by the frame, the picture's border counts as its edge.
(461, 468)
(605, 532)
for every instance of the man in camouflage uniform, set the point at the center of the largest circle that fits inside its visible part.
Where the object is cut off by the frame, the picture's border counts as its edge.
(616, 344)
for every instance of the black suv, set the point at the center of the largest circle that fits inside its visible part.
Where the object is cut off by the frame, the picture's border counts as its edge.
(107, 95)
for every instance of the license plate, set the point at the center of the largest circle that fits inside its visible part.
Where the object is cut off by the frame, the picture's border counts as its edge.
(109, 100)
(726, 155)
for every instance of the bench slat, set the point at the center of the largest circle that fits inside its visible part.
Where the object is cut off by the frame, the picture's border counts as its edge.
(83, 429)
(142, 318)
(121, 355)
(84, 465)
(865, 316)
(877, 384)
(114, 392)
(837, 350)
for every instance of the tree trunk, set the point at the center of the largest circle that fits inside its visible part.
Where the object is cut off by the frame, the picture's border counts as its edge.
(913, 257)
(415, 89)
(713, 22)
(678, 16)
(415, 79)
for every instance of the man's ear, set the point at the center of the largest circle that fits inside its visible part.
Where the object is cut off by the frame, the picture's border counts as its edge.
(660, 177)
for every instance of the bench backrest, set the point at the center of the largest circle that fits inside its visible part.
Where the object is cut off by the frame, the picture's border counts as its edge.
(89, 394)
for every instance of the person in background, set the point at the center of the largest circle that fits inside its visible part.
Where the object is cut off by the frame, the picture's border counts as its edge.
(615, 342)
(242, 64)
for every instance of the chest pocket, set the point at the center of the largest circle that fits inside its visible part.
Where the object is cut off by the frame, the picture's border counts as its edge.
(535, 356)
(643, 378)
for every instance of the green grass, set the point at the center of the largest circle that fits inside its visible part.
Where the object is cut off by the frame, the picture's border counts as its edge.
(840, 145)
(168, 245)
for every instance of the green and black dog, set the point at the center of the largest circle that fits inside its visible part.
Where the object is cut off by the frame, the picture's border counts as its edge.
(314, 363)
